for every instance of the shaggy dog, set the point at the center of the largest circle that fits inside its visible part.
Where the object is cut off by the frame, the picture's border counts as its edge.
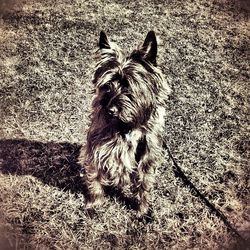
(124, 141)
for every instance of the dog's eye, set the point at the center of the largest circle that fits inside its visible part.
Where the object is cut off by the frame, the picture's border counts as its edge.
(124, 83)
(105, 88)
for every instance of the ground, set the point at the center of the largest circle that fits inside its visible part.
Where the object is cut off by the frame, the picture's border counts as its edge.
(47, 57)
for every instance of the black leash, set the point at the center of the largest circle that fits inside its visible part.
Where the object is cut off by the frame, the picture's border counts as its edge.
(179, 173)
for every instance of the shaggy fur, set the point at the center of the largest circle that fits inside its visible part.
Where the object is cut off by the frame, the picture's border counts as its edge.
(124, 139)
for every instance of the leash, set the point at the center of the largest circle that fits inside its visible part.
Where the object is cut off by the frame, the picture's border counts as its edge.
(180, 174)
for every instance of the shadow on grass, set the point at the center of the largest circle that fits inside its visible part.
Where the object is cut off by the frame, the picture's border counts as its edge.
(53, 163)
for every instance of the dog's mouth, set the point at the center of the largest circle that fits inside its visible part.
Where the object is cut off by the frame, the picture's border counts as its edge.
(116, 122)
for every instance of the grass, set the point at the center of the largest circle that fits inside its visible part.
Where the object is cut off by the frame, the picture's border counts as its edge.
(46, 64)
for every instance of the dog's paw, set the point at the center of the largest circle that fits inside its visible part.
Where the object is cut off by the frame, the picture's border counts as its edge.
(145, 214)
(142, 210)
(94, 203)
(91, 206)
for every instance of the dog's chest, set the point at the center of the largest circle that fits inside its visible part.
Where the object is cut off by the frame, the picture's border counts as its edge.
(117, 158)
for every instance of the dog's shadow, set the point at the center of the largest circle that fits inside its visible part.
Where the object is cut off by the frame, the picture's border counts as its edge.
(53, 163)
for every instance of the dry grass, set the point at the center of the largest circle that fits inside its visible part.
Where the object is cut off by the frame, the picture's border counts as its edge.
(46, 64)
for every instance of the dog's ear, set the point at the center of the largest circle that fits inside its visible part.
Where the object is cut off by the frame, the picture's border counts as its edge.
(103, 41)
(149, 48)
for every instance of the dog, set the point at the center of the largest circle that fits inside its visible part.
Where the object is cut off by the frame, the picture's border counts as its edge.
(124, 140)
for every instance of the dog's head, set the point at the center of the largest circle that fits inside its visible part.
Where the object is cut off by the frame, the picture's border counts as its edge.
(127, 88)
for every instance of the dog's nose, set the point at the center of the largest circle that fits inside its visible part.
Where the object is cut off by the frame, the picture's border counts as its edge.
(113, 111)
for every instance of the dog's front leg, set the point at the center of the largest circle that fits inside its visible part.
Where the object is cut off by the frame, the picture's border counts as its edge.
(95, 188)
(143, 188)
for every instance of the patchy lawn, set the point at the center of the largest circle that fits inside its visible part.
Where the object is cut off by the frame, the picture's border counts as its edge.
(46, 64)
